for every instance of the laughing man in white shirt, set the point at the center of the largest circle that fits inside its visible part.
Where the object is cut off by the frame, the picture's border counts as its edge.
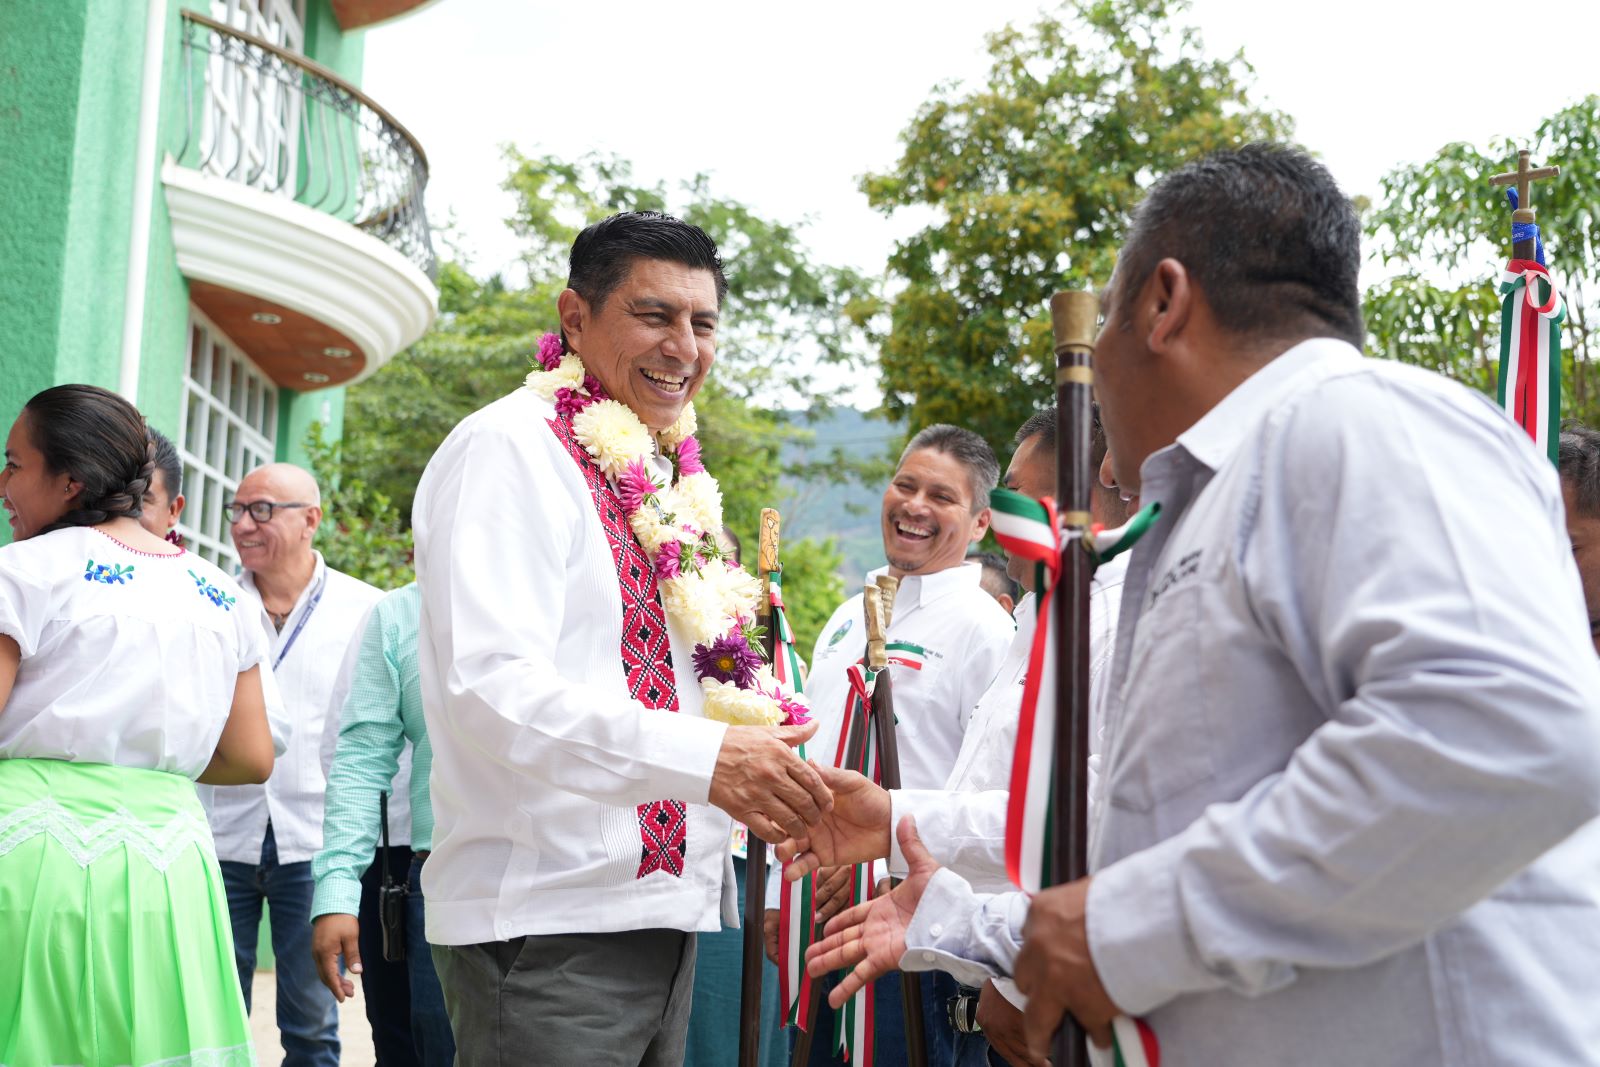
(581, 798)
(1352, 739)
(935, 506)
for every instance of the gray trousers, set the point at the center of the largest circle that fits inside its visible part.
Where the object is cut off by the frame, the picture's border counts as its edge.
(611, 1000)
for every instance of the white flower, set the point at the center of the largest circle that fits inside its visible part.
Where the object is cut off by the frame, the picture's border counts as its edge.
(568, 374)
(726, 702)
(737, 589)
(651, 532)
(612, 434)
(695, 607)
(686, 426)
(701, 500)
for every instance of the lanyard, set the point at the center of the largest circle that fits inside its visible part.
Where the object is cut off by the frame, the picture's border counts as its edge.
(301, 625)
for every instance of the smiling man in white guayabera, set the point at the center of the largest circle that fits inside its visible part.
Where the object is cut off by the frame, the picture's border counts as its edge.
(588, 680)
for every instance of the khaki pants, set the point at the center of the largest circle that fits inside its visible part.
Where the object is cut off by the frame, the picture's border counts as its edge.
(611, 1000)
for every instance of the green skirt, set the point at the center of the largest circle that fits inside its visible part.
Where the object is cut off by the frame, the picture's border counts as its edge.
(115, 945)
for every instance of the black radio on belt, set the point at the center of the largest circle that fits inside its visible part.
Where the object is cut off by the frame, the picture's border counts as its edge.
(391, 897)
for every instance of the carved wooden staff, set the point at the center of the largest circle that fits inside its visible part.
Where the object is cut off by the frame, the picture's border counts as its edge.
(755, 867)
(1072, 318)
(880, 605)
(1523, 178)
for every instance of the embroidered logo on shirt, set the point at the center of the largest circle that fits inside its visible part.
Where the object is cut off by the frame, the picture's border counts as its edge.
(107, 573)
(838, 635)
(1187, 567)
(212, 593)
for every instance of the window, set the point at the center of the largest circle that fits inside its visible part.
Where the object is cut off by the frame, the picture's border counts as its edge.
(252, 118)
(228, 427)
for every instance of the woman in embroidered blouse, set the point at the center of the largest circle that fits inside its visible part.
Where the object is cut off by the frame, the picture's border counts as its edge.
(125, 675)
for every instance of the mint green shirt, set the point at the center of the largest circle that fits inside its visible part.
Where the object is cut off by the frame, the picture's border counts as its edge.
(382, 713)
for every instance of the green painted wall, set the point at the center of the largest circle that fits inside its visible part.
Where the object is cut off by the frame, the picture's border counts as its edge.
(296, 413)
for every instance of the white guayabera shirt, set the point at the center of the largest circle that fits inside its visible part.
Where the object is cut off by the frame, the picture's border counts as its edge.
(1356, 729)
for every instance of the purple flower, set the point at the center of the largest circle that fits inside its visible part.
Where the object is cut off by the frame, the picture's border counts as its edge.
(634, 485)
(728, 659)
(550, 350)
(689, 458)
(592, 386)
(668, 562)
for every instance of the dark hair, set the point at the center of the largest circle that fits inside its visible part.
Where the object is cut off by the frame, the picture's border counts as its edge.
(1267, 236)
(606, 250)
(996, 579)
(167, 462)
(1042, 424)
(1578, 457)
(98, 439)
(968, 449)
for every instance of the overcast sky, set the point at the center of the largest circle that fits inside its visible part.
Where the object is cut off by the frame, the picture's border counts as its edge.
(787, 105)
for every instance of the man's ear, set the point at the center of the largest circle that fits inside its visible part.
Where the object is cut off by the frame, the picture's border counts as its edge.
(574, 312)
(1166, 305)
(980, 526)
(313, 521)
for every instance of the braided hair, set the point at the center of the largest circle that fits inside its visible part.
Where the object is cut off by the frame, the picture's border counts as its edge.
(99, 440)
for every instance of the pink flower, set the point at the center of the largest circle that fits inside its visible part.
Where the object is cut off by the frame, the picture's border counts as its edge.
(689, 458)
(569, 401)
(668, 560)
(634, 485)
(550, 351)
(794, 712)
(592, 386)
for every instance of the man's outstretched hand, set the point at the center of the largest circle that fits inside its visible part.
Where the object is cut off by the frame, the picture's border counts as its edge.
(761, 782)
(871, 937)
(1056, 972)
(856, 830)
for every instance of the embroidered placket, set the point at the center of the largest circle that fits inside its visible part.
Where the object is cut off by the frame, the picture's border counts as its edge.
(646, 653)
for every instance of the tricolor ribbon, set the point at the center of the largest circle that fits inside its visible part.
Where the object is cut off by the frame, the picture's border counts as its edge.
(1531, 314)
(1029, 529)
(796, 900)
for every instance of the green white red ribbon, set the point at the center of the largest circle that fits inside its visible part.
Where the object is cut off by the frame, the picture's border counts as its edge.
(796, 900)
(1029, 529)
(1531, 314)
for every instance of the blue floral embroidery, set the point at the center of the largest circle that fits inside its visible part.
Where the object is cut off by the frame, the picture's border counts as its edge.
(107, 573)
(212, 593)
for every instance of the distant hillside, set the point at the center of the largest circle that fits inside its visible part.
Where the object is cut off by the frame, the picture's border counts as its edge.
(847, 511)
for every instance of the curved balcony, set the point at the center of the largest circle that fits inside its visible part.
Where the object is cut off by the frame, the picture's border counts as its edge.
(297, 210)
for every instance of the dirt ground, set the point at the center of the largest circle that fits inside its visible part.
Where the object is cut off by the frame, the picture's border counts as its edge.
(355, 1035)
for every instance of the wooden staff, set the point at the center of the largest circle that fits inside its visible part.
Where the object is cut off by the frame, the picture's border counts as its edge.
(1072, 318)
(880, 604)
(755, 867)
(854, 745)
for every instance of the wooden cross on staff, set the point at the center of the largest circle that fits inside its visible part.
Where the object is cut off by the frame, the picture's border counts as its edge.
(1523, 178)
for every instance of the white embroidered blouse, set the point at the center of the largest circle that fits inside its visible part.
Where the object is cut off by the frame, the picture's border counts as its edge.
(128, 658)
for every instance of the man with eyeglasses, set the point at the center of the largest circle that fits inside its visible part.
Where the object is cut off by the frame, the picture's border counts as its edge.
(267, 834)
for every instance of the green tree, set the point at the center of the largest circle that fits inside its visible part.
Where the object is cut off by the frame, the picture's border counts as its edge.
(784, 313)
(1445, 231)
(361, 533)
(1031, 177)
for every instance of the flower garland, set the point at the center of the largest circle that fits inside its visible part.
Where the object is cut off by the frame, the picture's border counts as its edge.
(711, 597)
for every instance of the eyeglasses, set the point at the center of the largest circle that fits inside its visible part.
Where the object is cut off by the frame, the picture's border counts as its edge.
(260, 510)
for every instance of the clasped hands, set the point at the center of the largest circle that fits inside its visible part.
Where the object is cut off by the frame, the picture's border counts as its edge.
(1054, 968)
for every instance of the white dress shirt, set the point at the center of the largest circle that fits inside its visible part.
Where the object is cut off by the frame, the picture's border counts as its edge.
(128, 658)
(964, 824)
(1356, 727)
(305, 671)
(540, 755)
(964, 633)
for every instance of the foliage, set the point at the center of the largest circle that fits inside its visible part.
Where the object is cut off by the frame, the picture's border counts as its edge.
(1031, 177)
(362, 534)
(1447, 230)
(784, 313)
